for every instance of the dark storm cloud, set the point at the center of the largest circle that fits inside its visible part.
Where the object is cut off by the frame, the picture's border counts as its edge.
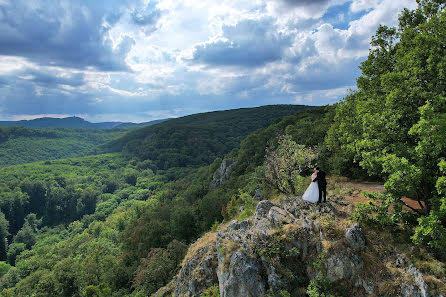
(58, 33)
(49, 79)
(250, 43)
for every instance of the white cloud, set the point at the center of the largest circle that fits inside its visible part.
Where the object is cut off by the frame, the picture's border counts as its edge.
(293, 52)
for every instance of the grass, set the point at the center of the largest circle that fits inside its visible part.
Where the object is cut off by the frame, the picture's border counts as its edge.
(203, 241)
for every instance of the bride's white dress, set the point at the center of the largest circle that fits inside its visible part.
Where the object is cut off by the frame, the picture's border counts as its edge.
(312, 193)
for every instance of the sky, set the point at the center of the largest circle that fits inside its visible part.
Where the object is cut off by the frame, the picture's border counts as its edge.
(141, 60)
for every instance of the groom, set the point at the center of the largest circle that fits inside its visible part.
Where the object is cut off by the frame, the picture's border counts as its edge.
(322, 184)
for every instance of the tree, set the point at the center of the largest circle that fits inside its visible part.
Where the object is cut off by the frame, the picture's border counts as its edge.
(394, 125)
(4, 224)
(285, 163)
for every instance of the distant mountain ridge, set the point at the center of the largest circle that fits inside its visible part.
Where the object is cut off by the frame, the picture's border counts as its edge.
(74, 122)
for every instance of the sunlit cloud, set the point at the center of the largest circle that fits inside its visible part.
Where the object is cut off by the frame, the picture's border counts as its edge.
(139, 60)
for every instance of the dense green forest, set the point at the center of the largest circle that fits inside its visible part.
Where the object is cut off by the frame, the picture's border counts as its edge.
(119, 224)
(197, 139)
(20, 145)
(108, 212)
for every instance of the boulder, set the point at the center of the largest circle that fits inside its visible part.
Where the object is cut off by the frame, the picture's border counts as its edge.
(278, 216)
(197, 273)
(342, 267)
(262, 209)
(355, 237)
(241, 277)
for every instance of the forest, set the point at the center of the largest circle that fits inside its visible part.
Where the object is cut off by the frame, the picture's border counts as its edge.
(119, 223)
(19, 145)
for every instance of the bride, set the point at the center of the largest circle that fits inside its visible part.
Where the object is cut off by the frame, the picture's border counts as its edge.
(312, 192)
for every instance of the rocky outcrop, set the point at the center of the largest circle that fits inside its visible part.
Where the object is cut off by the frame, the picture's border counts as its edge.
(355, 237)
(278, 216)
(222, 173)
(276, 249)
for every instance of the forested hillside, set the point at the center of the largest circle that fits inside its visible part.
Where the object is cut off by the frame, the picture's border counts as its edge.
(73, 122)
(20, 145)
(197, 139)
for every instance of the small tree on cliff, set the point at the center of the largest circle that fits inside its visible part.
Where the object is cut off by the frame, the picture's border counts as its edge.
(285, 163)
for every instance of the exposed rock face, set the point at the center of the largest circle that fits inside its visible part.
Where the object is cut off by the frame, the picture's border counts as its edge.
(343, 267)
(273, 251)
(355, 237)
(198, 273)
(278, 216)
(262, 209)
(241, 277)
(420, 289)
(222, 173)
(258, 195)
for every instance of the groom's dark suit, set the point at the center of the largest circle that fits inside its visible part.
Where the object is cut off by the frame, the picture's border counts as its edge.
(322, 185)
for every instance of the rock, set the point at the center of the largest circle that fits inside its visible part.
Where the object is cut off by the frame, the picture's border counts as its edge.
(241, 277)
(258, 195)
(341, 267)
(278, 216)
(419, 281)
(197, 273)
(241, 208)
(262, 209)
(355, 237)
(400, 261)
(366, 285)
(222, 173)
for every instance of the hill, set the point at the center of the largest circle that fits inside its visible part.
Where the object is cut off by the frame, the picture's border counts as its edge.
(198, 139)
(20, 145)
(73, 122)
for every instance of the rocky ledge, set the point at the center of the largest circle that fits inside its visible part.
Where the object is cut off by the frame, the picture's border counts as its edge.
(286, 246)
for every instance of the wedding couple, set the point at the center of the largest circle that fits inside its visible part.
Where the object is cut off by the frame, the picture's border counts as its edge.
(318, 185)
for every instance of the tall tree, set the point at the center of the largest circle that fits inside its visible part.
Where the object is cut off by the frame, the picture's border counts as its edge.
(394, 124)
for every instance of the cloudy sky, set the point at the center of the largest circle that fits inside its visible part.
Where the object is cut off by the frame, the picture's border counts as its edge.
(140, 60)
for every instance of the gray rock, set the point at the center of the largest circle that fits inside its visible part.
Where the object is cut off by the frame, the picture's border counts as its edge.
(341, 267)
(262, 209)
(409, 290)
(278, 216)
(400, 261)
(355, 237)
(419, 281)
(258, 195)
(366, 285)
(198, 273)
(241, 277)
(222, 173)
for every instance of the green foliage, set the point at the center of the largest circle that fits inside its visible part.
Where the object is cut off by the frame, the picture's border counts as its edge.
(376, 210)
(320, 285)
(4, 268)
(101, 290)
(20, 145)
(211, 292)
(239, 201)
(198, 139)
(394, 126)
(4, 233)
(159, 267)
(285, 163)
